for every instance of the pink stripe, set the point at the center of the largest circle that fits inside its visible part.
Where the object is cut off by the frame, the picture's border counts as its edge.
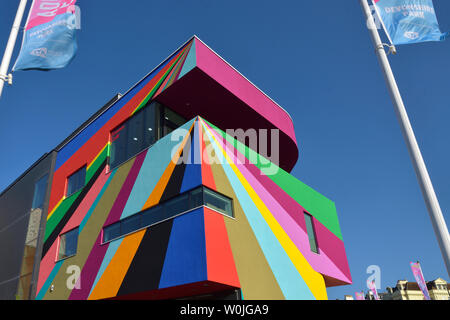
(87, 203)
(230, 79)
(90, 270)
(122, 198)
(292, 222)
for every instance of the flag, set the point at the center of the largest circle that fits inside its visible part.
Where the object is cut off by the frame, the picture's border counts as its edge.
(418, 275)
(409, 21)
(373, 288)
(49, 40)
(360, 296)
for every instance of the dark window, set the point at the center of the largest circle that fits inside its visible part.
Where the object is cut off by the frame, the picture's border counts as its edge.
(217, 202)
(131, 224)
(196, 198)
(111, 232)
(152, 216)
(311, 233)
(170, 121)
(141, 131)
(68, 244)
(40, 189)
(169, 209)
(76, 181)
(177, 205)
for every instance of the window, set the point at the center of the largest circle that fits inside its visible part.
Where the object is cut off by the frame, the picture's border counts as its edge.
(76, 181)
(217, 202)
(111, 232)
(68, 244)
(170, 121)
(141, 131)
(40, 189)
(182, 203)
(311, 233)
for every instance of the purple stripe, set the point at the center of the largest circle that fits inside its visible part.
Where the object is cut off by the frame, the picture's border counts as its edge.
(124, 193)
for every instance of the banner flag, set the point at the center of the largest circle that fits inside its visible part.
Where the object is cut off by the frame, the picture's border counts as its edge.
(360, 296)
(418, 275)
(49, 40)
(373, 288)
(409, 21)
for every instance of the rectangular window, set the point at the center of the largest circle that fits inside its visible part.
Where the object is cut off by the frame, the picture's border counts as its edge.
(141, 131)
(169, 209)
(40, 189)
(153, 215)
(131, 224)
(311, 233)
(217, 202)
(68, 244)
(76, 181)
(111, 232)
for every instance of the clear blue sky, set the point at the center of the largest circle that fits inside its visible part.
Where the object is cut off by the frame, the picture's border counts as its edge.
(316, 60)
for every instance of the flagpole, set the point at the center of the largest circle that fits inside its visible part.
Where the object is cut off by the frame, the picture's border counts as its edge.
(431, 201)
(4, 77)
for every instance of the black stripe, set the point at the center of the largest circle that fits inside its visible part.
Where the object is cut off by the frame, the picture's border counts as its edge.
(55, 233)
(146, 268)
(176, 179)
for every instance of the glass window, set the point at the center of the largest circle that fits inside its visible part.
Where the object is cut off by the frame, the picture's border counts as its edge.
(196, 198)
(135, 134)
(177, 205)
(76, 181)
(311, 233)
(118, 151)
(68, 244)
(40, 189)
(217, 202)
(111, 232)
(140, 132)
(131, 224)
(152, 216)
(169, 209)
(150, 127)
(171, 121)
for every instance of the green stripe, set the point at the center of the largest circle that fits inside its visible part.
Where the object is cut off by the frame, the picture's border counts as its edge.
(322, 208)
(59, 214)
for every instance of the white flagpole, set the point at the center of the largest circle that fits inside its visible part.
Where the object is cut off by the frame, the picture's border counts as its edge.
(4, 77)
(431, 201)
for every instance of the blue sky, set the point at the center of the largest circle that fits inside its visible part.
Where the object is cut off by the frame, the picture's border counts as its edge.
(314, 58)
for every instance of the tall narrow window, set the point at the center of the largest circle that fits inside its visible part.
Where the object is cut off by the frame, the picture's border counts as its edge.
(76, 181)
(39, 193)
(68, 244)
(311, 233)
(139, 132)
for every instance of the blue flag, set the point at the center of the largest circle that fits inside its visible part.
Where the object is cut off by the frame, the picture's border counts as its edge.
(409, 21)
(50, 37)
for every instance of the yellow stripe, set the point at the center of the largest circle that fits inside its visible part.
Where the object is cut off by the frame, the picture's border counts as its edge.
(96, 157)
(313, 279)
(54, 208)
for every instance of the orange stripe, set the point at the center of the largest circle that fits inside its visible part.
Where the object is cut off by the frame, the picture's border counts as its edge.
(157, 192)
(111, 280)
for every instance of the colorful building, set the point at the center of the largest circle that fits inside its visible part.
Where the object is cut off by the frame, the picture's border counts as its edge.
(180, 188)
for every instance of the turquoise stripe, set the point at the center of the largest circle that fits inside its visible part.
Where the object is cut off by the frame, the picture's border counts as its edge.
(94, 205)
(49, 280)
(110, 252)
(190, 62)
(155, 163)
(290, 281)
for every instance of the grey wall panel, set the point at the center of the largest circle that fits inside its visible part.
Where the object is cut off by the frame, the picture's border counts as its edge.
(15, 209)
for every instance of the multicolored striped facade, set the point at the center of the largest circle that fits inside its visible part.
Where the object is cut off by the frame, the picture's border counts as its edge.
(263, 250)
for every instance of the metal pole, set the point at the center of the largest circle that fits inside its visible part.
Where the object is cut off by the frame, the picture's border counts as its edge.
(10, 46)
(431, 201)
